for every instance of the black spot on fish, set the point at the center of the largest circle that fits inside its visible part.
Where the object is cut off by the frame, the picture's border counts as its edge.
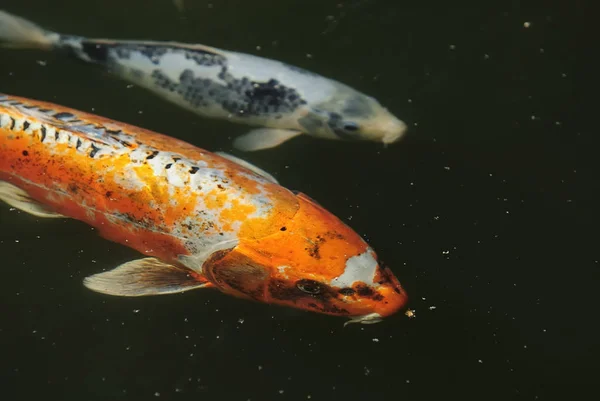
(321, 300)
(367, 292)
(25, 153)
(108, 194)
(194, 170)
(279, 289)
(315, 247)
(334, 235)
(364, 290)
(358, 106)
(73, 188)
(56, 135)
(124, 143)
(239, 96)
(43, 133)
(45, 110)
(153, 155)
(64, 116)
(95, 51)
(26, 125)
(168, 166)
(12, 123)
(78, 144)
(283, 229)
(94, 150)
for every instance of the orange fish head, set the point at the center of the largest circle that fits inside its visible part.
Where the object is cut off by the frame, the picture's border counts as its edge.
(314, 263)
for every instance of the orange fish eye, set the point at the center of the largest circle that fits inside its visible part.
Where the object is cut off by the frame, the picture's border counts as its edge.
(309, 286)
(347, 291)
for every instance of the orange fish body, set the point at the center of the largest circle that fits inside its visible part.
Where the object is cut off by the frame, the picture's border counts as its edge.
(201, 219)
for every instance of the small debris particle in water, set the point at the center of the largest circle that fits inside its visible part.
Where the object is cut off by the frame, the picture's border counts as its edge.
(280, 391)
(259, 367)
(452, 47)
(136, 311)
(526, 24)
(376, 340)
(411, 313)
(480, 361)
(432, 307)
(157, 394)
(367, 371)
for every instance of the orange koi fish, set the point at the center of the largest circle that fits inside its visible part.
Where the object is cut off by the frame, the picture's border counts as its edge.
(201, 220)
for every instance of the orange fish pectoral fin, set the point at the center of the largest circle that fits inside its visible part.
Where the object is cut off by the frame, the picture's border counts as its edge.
(148, 276)
(238, 274)
(20, 199)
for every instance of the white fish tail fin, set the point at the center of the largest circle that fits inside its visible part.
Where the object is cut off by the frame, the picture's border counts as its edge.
(21, 33)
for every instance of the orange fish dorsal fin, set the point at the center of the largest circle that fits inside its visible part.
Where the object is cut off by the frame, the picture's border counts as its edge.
(306, 198)
(148, 276)
(67, 120)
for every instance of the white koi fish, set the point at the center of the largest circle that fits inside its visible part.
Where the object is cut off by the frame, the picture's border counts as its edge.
(285, 101)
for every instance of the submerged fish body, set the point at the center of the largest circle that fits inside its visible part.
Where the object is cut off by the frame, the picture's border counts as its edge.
(284, 100)
(201, 219)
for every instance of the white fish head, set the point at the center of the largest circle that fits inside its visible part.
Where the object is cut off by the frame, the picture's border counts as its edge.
(351, 115)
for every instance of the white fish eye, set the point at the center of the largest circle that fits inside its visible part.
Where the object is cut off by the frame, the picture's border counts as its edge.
(309, 286)
(351, 127)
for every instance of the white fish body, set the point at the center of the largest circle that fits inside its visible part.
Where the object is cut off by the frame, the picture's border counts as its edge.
(284, 100)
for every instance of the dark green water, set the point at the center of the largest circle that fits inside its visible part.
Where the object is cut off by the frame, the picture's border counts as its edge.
(487, 212)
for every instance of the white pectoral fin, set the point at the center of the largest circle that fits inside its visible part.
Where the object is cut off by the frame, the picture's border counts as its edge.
(263, 138)
(148, 276)
(19, 199)
(248, 165)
